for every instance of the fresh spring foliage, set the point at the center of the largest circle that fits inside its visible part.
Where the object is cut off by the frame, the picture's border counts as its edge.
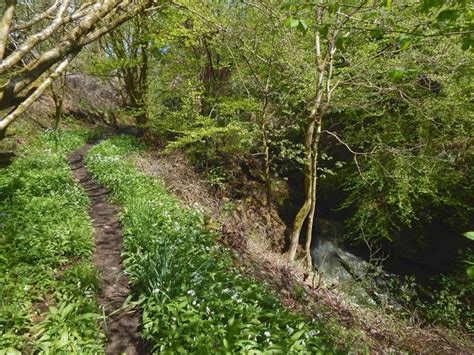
(470, 261)
(192, 298)
(47, 293)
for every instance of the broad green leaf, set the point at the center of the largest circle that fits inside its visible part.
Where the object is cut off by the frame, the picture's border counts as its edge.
(297, 335)
(405, 42)
(376, 33)
(469, 235)
(428, 4)
(397, 74)
(470, 272)
(302, 26)
(294, 22)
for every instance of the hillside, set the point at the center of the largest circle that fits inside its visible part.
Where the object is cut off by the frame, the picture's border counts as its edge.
(236, 177)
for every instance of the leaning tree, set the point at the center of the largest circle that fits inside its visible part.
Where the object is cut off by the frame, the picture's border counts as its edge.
(39, 39)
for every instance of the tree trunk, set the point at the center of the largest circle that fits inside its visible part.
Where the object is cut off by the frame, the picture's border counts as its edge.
(5, 24)
(311, 147)
(266, 152)
(313, 196)
(58, 98)
(305, 208)
(36, 94)
(266, 148)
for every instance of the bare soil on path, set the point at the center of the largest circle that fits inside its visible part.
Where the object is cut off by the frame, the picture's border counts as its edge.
(122, 322)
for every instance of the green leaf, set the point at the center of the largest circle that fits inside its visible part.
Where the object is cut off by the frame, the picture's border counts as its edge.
(294, 22)
(405, 42)
(297, 335)
(467, 42)
(302, 26)
(397, 74)
(428, 4)
(332, 8)
(469, 235)
(470, 272)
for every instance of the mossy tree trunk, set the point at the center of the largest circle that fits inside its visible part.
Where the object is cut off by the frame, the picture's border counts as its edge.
(323, 90)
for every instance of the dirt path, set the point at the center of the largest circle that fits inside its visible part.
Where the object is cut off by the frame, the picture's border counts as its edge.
(122, 325)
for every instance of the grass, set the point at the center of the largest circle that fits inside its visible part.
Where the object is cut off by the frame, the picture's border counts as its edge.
(47, 293)
(192, 297)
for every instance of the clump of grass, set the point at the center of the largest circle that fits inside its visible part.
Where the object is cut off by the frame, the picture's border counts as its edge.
(192, 297)
(84, 275)
(44, 226)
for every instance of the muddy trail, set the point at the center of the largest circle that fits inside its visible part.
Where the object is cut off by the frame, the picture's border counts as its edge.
(122, 322)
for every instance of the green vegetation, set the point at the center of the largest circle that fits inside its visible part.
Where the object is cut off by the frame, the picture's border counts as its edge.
(47, 293)
(192, 298)
(356, 111)
(393, 120)
(349, 121)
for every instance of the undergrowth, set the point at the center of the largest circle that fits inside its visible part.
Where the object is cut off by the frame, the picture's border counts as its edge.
(192, 297)
(47, 293)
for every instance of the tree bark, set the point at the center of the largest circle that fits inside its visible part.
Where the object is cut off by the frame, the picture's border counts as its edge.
(36, 94)
(36, 19)
(312, 135)
(305, 208)
(5, 25)
(314, 180)
(35, 39)
(58, 98)
(86, 31)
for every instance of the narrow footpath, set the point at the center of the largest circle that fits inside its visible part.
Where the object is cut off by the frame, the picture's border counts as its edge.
(122, 323)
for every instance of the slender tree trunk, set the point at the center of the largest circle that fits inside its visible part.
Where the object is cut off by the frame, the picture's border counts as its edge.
(266, 152)
(35, 95)
(325, 66)
(266, 147)
(313, 198)
(58, 98)
(305, 208)
(5, 25)
(307, 211)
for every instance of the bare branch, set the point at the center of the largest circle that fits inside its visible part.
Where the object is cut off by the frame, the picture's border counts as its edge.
(71, 41)
(37, 93)
(355, 154)
(36, 19)
(94, 20)
(34, 40)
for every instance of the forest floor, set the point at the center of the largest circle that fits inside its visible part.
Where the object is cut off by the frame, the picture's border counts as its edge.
(122, 322)
(253, 232)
